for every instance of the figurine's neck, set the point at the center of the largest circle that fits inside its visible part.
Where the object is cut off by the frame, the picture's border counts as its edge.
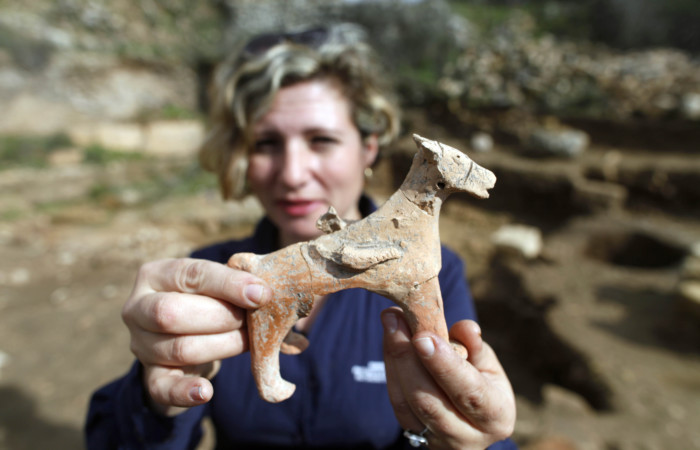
(426, 198)
(420, 186)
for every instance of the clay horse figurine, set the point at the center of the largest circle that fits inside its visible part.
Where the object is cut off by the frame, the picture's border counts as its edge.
(394, 251)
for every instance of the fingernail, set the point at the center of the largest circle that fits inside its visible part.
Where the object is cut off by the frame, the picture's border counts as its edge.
(390, 322)
(254, 293)
(476, 328)
(425, 346)
(196, 393)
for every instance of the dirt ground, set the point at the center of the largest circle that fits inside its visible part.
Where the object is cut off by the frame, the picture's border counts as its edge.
(598, 352)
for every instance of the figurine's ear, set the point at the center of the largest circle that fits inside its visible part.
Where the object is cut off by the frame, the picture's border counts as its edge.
(431, 150)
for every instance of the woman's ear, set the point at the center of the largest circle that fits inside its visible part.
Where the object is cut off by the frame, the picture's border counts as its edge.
(370, 147)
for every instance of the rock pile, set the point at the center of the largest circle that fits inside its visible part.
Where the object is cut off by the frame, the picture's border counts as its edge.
(513, 67)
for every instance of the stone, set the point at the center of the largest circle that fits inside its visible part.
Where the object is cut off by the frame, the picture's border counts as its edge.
(21, 112)
(695, 249)
(521, 239)
(173, 137)
(611, 165)
(394, 251)
(129, 197)
(66, 157)
(128, 137)
(690, 106)
(80, 215)
(690, 269)
(689, 297)
(4, 361)
(59, 295)
(556, 142)
(161, 138)
(564, 400)
(19, 276)
(481, 142)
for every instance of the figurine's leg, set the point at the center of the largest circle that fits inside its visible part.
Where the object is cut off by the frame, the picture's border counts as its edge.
(294, 343)
(269, 332)
(424, 312)
(423, 308)
(267, 328)
(243, 261)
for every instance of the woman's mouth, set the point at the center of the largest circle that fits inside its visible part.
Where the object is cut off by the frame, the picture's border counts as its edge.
(297, 208)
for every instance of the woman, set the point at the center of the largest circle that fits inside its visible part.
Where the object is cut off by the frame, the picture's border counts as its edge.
(297, 119)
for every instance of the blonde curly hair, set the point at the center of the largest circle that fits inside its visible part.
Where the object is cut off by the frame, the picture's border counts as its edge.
(244, 86)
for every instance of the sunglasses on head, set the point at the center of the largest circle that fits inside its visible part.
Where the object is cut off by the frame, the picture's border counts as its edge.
(313, 38)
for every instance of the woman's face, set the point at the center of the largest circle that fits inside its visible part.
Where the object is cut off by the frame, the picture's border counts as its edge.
(308, 155)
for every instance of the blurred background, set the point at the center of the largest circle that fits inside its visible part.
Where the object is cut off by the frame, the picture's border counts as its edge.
(585, 261)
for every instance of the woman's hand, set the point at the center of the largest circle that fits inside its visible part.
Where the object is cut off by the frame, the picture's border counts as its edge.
(465, 404)
(184, 316)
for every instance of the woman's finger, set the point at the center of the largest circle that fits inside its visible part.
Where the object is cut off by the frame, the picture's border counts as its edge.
(426, 401)
(198, 276)
(187, 350)
(478, 388)
(445, 392)
(430, 406)
(176, 313)
(173, 388)
(481, 355)
(459, 380)
(468, 332)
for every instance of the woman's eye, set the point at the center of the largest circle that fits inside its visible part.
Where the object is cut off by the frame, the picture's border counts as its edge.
(265, 146)
(323, 142)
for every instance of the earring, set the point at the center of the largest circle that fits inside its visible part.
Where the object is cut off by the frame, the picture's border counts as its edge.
(368, 173)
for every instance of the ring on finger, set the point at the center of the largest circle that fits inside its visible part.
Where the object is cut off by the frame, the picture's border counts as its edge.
(416, 440)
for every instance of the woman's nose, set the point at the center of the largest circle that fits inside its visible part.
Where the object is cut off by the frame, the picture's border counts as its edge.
(296, 164)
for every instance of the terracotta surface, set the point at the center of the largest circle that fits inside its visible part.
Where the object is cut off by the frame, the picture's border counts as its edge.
(394, 252)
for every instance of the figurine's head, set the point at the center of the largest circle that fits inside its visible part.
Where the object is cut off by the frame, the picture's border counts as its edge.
(456, 172)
